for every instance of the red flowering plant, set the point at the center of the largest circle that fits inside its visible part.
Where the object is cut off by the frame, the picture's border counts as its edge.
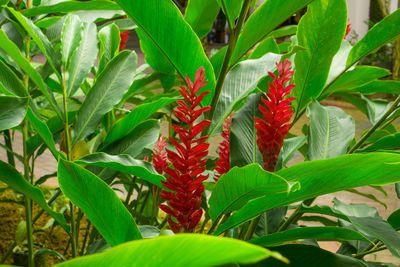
(223, 165)
(159, 159)
(185, 179)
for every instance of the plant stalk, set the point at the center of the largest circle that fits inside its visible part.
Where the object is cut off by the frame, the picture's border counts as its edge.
(225, 65)
(7, 141)
(252, 228)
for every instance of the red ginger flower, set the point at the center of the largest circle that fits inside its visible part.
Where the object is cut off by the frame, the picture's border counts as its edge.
(186, 179)
(272, 129)
(223, 163)
(159, 157)
(124, 39)
(348, 29)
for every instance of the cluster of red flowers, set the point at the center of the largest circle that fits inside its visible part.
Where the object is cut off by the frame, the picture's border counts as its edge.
(186, 178)
(223, 164)
(159, 155)
(272, 129)
(124, 39)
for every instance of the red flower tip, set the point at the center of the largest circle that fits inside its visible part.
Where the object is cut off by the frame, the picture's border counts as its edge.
(348, 29)
(124, 39)
(186, 178)
(159, 157)
(223, 163)
(274, 126)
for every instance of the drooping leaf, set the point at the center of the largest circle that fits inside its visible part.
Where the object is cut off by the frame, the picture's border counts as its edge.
(109, 45)
(321, 32)
(376, 108)
(382, 33)
(317, 233)
(270, 15)
(108, 90)
(240, 185)
(320, 177)
(238, 84)
(330, 133)
(179, 250)
(17, 182)
(12, 111)
(157, 17)
(123, 127)
(201, 15)
(126, 164)
(99, 203)
(231, 9)
(70, 38)
(10, 81)
(83, 58)
(391, 142)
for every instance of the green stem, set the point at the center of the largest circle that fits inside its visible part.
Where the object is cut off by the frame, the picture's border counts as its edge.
(154, 211)
(130, 191)
(225, 65)
(296, 215)
(371, 248)
(85, 238)
(252, 228)
(7, 141)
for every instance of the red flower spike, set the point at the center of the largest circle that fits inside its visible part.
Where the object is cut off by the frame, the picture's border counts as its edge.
(124, 39)
(186, 178)
(348, 29)
(159, 157)
(223, 163)
(274, 126)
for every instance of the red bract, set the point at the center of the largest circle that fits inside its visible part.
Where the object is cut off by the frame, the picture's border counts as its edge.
(348, 29)
(186, 178)
(124, 39)
(272, 129)
(223, 163)
(159, 155)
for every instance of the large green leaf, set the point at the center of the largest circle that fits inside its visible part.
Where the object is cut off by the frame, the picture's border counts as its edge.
(14, 52)
(386, 86)
(109, 37)
(179, 250)
(12, 111)
(330, 132)
(83, 58)
(357, 77)
(382, 33)
(270, 15)
(108, 90)
(70, 37)
(201, 15)
(126, 164)
(243, 137)
(317, 233)
(321, 32)
(310, 256)
(11, 81)
(320, 177)
(136, 116)
(238, 84)
(44, 132)
(16, 181)
(231, 9)
(99, 203)
(391, 142)
(70, 6)
(240, 185)
(181, 46)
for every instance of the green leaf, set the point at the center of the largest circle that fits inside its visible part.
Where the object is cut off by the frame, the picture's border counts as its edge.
(217, 60)
(83, 58)
(70, 6)
(357, 77)
(387, 86)
(17, 182)
(270, 15)
(290, 146)
(382, 33)
(11, 81)
(108, 90)
(338, 65)
(240, 185)
(70, 37)
(394, 220)
(12, 111)
(317, 233)
(109, 45)
(136, 116)
(320, 177)
(179, 250)
(284, 31)
(243, 137)
(267, 46)
(311, 256)
(181, 45)
(330, 133)
(321, 32)
(376, 108)
(99, 203)
(391, 142)
(43, 131)
(14, 52)
(126, 164)
(231, 9)
(238, 84)
(201, 15)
